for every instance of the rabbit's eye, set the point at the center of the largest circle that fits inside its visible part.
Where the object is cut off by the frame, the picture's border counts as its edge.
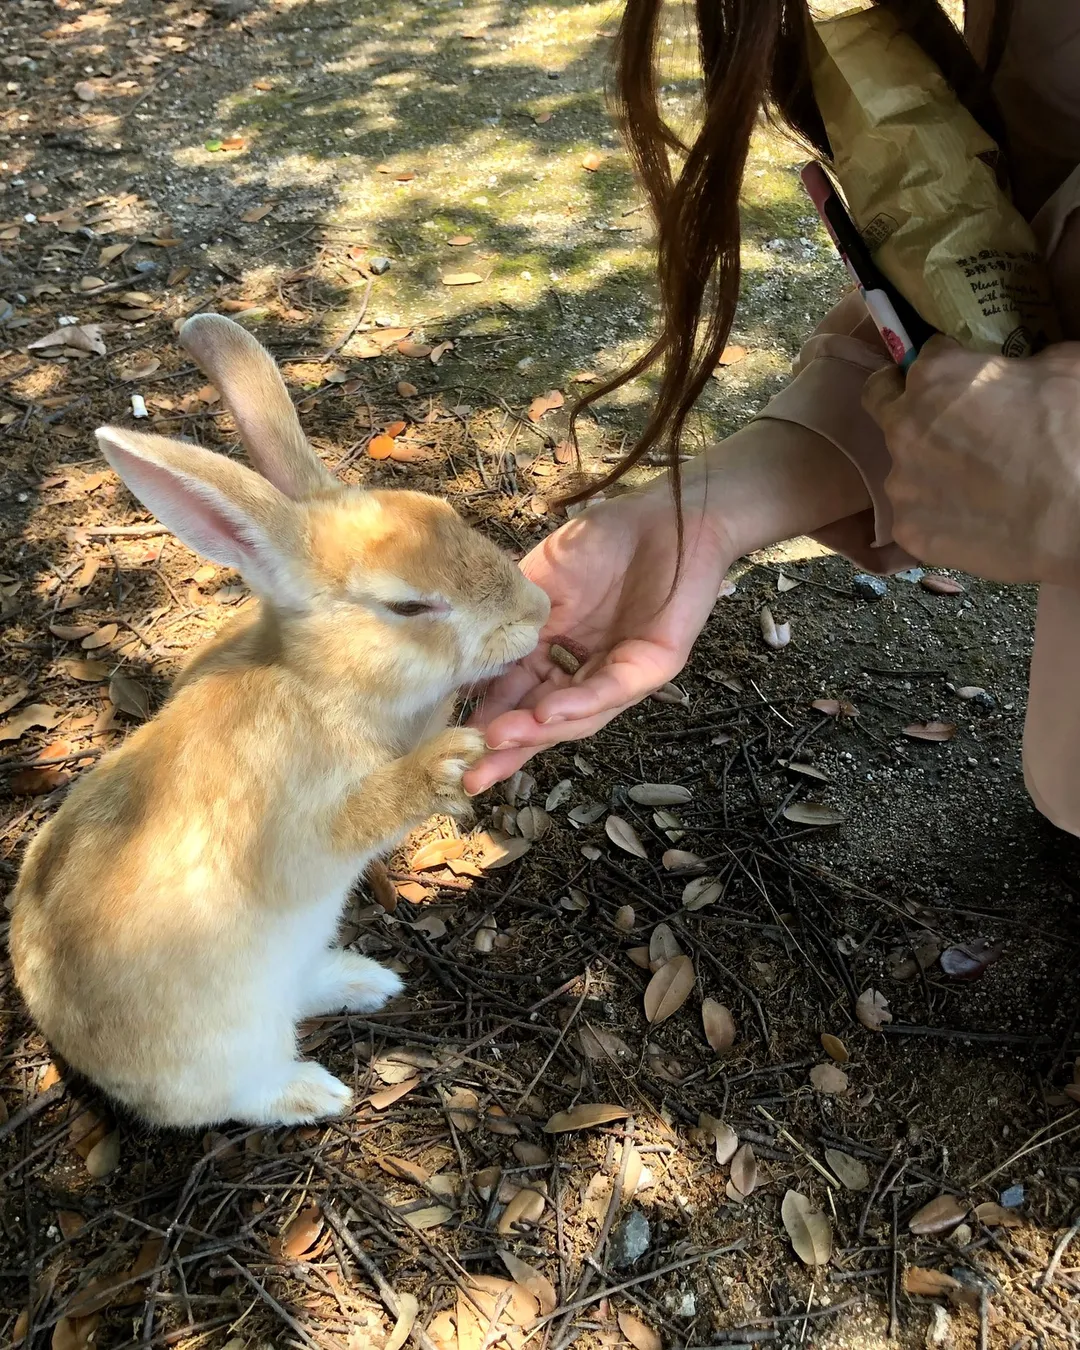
(408, 608)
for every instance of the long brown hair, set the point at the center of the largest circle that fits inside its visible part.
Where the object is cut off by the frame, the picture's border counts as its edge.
(753, 56)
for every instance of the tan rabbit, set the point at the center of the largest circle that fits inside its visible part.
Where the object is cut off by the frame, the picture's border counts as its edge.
(179, 914)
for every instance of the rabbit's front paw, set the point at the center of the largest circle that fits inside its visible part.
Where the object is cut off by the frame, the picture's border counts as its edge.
(444, 760)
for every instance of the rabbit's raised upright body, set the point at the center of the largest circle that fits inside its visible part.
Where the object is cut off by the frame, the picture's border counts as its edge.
(179, 914)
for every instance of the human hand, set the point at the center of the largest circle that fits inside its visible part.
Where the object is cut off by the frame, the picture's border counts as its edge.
(986, 460)
(608, 572)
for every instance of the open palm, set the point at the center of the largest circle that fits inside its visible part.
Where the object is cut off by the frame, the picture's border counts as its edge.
(608, 573)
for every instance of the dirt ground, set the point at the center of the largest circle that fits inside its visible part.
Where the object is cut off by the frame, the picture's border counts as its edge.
(311, 167)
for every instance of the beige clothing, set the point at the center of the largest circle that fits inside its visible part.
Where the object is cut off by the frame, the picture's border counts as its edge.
(1038, 87)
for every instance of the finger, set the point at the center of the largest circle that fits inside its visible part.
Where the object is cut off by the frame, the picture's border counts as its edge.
(500, 764)
(632, 671)
(519, 728)
(493, 768)
(881, 391)
(936, 347)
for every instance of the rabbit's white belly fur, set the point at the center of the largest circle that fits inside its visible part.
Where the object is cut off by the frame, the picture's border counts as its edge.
(233, 1044)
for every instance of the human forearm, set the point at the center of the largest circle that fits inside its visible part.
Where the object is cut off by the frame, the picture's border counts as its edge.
(771, 480)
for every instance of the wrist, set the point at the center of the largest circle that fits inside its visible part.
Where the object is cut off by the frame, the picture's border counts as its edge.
(770, 481)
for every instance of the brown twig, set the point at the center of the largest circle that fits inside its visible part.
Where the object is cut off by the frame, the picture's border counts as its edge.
(1058, 1253)
(385, 1289)
(608, 1291)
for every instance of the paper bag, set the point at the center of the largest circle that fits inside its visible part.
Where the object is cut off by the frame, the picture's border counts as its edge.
(918, 174)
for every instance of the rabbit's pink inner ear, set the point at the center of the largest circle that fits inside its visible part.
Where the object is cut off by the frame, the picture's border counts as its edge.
(197, 515)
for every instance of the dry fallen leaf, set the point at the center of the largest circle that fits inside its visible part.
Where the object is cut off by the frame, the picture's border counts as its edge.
(970, 960)
(872, 1009)
(929, 1283)
(104, 1156)
(940, 585)
(302, 1234)
(591, 161)
(463, 1108)
(36, 782)
(719, 1025)
(595, 1043)
(807, 770)
(142, 371)
(828, 1079)
(407, 390)
(671, 694)
(533, 822)
(702, 891)
(849, 1171)
(389, 1095)
(810, 1231)
(35, 715)
(525, 1208)
(723, 1137)
(408, 1308)
(660, 794)
(638, 1333)
(86, 1130)
(931, 731)
(939, 1216)
(542, 118)
(584, 1117)
(20, 689)
(499, 850)
(776, 635)
(679, 860)
(83, 337)
(834, 1047)
(544, 403)
(257, 213)
(625, 918)
(436, 853)
(744, 1170)
(66, 633)
(380, 447)
(430, 1216)
(669, 989)
(813, 813)
(640, 957)
(663, 946)
(443, 1331)
(462, 279)
(997, 1216)
(129, 696)
(87, 672)
(403, 1168)
(531, 1280)
(623, 835)
(490, 1292)
(101, 638)
(71, 1333)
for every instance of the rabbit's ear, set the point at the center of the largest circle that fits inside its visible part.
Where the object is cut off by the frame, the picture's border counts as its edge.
(218, 508)
(254, 392)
